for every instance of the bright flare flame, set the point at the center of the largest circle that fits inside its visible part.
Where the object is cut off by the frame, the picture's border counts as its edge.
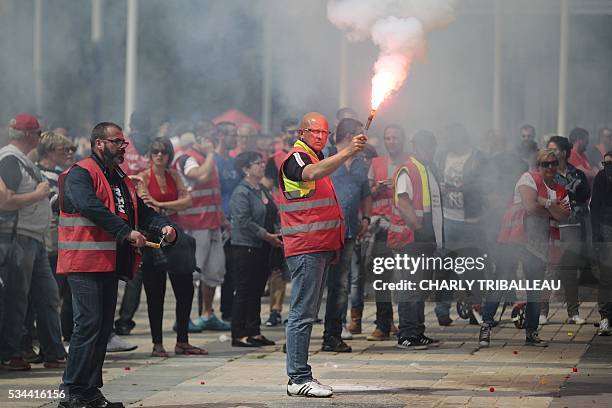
(382, 86)
(390, 73)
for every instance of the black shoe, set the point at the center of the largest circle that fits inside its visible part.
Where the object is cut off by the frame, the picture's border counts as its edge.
(73, 403)
(31, 356)
(244, 343)
(275, 319)
(124, 328)
(285, 348)
(336, 345)
(410, 343)
(428, 341)
(102, 402)
(445, 321)
(263, 341)
(484, 337)
(534, 340)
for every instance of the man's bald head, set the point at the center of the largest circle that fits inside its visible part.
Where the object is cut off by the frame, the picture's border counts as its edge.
(314, 130)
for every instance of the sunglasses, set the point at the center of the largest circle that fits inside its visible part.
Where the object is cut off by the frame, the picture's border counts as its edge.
(155, 152)
(549, 164)
(606, 163)
(117, 142)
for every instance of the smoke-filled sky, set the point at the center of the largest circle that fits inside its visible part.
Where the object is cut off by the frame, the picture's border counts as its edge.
(200, 58)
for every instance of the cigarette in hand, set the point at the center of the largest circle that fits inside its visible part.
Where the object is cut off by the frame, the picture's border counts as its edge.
(152, 244)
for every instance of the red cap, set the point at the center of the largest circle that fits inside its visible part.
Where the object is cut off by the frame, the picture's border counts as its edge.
(24, 121)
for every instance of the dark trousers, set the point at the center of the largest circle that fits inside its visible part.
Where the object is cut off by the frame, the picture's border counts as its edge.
(131, 299)
(228, 287)
(384, 307)
(533, 269)
(411, 304)
(154, 281)
(250, 273)
(94, 297)
(66, 317)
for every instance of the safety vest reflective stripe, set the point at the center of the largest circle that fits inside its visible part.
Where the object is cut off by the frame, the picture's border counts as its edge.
(382, 202)
(397, 228)
(307, 205)
(75, 222)
(315, 226)
(205, 192)
(419, 213)
(199, 210)
(87, 246)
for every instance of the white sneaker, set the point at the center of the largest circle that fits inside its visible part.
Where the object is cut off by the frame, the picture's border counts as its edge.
(117, 344)
(576, 320)
(543, 320)
(604, 328)
(346, 334)
(309, 389)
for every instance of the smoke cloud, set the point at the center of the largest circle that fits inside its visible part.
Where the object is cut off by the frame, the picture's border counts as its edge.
(397, 27)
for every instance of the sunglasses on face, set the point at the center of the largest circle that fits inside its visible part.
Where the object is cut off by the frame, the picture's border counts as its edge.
(155, 152)
(117, 142)
(549, 164)
(606, 163)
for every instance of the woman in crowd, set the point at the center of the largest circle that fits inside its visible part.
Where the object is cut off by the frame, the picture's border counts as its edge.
(572, 231)
(601, 220)
(254, 216)
(538, 205)
(162, 188)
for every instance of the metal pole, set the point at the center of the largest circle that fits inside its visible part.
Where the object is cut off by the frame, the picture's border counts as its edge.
(563, 57)
(497, 67)
(97, 30)
(96, 21)
(37, 57)
(266, 84)
(131, 60)
(343, 90)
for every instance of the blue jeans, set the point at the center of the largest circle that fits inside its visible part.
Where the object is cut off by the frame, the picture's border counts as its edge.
(94, 296)
(357, 279)
(32, 277)
(307, 278)
(337, 291)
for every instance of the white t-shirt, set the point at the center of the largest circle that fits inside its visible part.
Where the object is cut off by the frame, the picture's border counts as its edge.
(190, 163)
(453, 177)
(527, 180)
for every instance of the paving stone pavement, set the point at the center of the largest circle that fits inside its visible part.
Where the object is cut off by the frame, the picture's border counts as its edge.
(375, 374)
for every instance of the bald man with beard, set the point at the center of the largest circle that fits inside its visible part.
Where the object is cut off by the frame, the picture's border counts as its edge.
(313, 232)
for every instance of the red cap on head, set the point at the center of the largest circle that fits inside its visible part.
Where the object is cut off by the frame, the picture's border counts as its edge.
(24, 122)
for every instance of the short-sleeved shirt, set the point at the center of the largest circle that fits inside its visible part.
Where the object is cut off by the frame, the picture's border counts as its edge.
(527, 180)
(295, 164)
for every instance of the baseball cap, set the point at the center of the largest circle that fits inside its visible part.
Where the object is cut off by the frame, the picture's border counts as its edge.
(24, 122)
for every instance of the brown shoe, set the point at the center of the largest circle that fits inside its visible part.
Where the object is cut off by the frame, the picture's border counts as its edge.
(55, 364)
(16, 364)
(394, 329)
(378, 335)
(355, 326)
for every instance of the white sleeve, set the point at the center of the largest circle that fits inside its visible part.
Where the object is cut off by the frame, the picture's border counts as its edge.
(190, 164)
(526, 180)
(404, 185)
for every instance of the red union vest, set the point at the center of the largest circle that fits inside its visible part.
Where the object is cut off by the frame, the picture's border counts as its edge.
(399, 235)
(82, 245)
(206, 212)
(513, 222)
(134, 162)
(382, 201)
(311, 219)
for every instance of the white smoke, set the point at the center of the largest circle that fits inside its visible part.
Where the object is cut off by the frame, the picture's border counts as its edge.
(397, 27)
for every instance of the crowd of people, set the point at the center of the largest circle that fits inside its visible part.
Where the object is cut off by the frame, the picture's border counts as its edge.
(313, 205)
